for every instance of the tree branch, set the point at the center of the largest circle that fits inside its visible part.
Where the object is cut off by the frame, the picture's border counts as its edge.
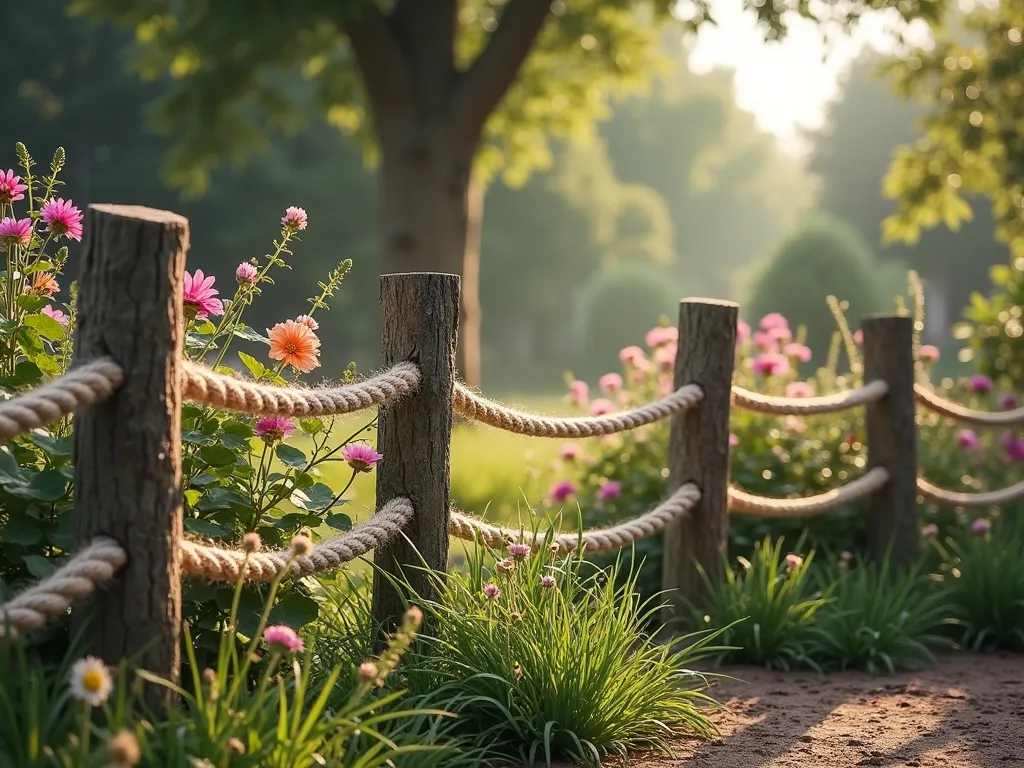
(380, 59)
(488, 78)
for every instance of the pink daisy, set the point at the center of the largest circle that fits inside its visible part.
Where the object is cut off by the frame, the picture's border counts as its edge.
(929, 353)
(274, 429)
(774, 320)
(11, 188)
(610, 382)
(62, 218)
(601, 406)
(360, 456)
(282, 639)
(799, 351)
(15, 231)
(578, 392)
(562, 490)
(246, 273)
(764, 340)
(780, 334)
(633, 356)
(799, 389)
(492, 591)
(294, 219)
(771, 364)
(661, 335)
(56, 314)
(307, 321)
(200, 295)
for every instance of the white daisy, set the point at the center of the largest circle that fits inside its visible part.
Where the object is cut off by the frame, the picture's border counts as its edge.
(90, 681)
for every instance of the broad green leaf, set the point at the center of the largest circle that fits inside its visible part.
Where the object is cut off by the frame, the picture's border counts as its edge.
(21, 529)
(316, 498)
(195, 437)
(206, 528)
(294, 520)
(312, 426)
(217, 455)
(31, 343)
(222, 498)
(247, 333)
(291, 457)
(48, 485)
(26, 374)
(192, 496)
(256, 368)
(339, 520)
(51, 445)
(40, 567)
(31, 303)
(39, 266)
(46, 326)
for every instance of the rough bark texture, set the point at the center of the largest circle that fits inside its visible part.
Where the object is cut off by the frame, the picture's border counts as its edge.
(128, 448)
(419, 322)
(699, 450)
(892, 436)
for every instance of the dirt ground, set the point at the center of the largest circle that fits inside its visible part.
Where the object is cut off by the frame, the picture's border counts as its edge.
(968, 712)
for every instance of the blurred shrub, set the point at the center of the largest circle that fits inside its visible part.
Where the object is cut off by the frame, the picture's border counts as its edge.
(993, 326)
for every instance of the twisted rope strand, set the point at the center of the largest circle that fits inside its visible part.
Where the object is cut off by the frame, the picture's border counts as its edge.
(945, 407)
(208, 386)
(997, 498)
(806, 406)
(679, 504)
(52, 401)
(52, 596)
(745, 503)
(227, 564)
(473, 406)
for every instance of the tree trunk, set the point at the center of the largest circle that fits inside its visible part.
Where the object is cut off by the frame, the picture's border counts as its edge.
(468, 359)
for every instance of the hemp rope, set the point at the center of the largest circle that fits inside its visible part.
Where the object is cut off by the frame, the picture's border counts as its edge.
(52, 401)
(678, 505)
(473, 406)
(226, 564)
(945, 407)
(744, 503)
(208, 386)
(52, 596)
(987, 499)
(806, 406)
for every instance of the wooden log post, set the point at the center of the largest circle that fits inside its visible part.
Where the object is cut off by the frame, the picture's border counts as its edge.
(699, 451)
(128, 482)
(892, 437)
(419, 322)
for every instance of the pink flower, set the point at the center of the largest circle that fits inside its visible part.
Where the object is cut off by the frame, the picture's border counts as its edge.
(610, 382)
(609, 490)
(571, 451)
(799, 389)
(294, 219)
(62, 218)
(200, 295)
(274, 429)
(601, 406)
(764, 341)
(665, 357)
(796, 425)
(858, 338)
(307, 321)
(771, 364)
(793, 562)
(742, 332)
(1014, 448)
(981, 526)
(56, 314)
(780, 334)
(561, 491)
(800, 351)
(773, 320)
(967, 438)
(661, 335)
(492, 591)
(282, 639)
(930, 531)
(360, 456)
(928, 352)
(1008, 401)
(633, 356)
(10, 187)
(547, 581)
(578, 393)
(980, 383)
(519, 551)
(733, 440)
(246, 273)
(15, 231)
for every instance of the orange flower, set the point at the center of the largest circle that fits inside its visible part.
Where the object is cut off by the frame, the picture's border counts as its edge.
(295, 344)
(44, 284)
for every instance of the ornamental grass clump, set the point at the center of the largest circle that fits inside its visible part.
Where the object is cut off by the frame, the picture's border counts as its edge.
(543, 656)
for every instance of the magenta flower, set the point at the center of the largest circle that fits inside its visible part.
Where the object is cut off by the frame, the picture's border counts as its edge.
(282, 639)
(15, 231)
(980, 383)
(771, 364)
(246, 273)
(294, 219)
(981, 526)
(1008, 401)
(200, 295)
(1015, 450)
(609, 490)
(764, 341)
(858, 338)
(578, 393)
(742, 332)
(273, 429)
(799, 389)
(547, 581)
(773, 320)
(562, 490)
(930, 531)
(570, 451)
(601, 406)
(659, 336)
(610, 382)
(799, 351)
(519, 551)
(62, 218)
(360, 456)
(633, 356)
(11, 187)
(929, 353)
(793, 562)
(967, 438)
(492, 591)
(56, 314)
(733, 440)
(307, 321)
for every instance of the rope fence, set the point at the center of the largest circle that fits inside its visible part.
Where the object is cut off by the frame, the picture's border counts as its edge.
(745, 503)
(944, 407)
(996, 498)
(807, 406)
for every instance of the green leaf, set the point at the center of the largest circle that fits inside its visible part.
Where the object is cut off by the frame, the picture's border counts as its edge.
(21, 529)
(217, 455)
(46, 326)
(192, 496)
(10, 472)
(201, 480)
(256, 368)
(291, 457)
(302, 480)
(48, 485)
(222, 498)
(316, 498)
(195, 437)
(239, 428)
(247, 333)
(206, 528)
(294, 520)
(48, 364)
(312, 426)
(198, 341)
(339, 521)
(39, 266)
(31, 303)
(52, 446)
(204, 327)
(31, 343)
(40, 567)
(26, 374)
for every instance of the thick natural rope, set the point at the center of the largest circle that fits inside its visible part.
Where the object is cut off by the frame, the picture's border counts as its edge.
(745, 503)
(998, 498)
(806, 406)
(678, 505)
(77, 578)
(81, 385)
(940, 405)
(208, 386)
(473, 406)
(227, 564)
